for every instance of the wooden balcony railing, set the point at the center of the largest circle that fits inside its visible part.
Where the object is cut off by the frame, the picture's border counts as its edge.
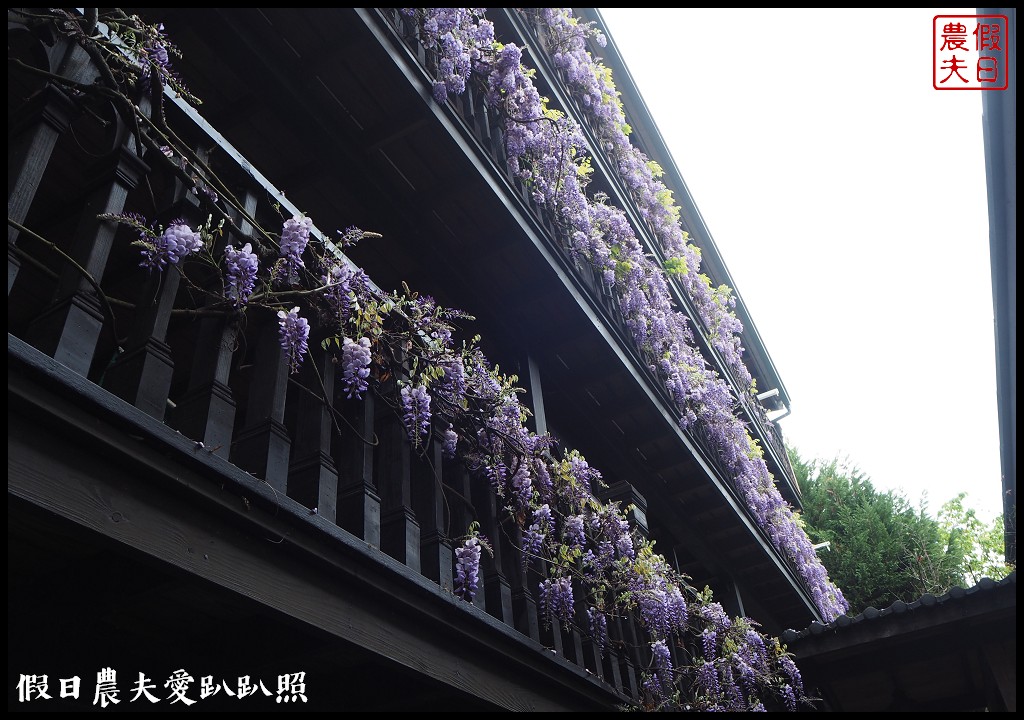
(486, 129)
(156, 340)
(754, 412)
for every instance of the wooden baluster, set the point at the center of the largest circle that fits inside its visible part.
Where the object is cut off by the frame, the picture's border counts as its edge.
(358, 502)
(313, 479)
(142, 373)
(436, 555)
(497, 591)
(206, 412)
(524, 604)
(399, 531)
(629, 498)
(497, 148)
(467, 103)
(589, 651)
(31, 138)
(550, 635)
(69, 329)
(611, 660)
(481, 119)
(674, 652)
(631, 666)
(262, 447)
(572, 640)
(630, 663)
(644, 658)
(34, 129)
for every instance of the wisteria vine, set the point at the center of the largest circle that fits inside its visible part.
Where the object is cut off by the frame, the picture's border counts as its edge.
(594, 566)
(549, 152)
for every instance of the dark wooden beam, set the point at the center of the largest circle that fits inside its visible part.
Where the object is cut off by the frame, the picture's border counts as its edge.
(129, 478)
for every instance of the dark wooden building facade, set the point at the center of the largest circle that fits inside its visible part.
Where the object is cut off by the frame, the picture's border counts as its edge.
(175, 501)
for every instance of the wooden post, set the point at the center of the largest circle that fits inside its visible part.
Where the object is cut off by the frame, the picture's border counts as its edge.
(436, 555)
(550, 635)
(142, 373)
(612, 662)
(263, 445)
(572, 640)
(358, 502)
(589, 651)
(496, 588)
(399, 531)
(32, 135)
(524, 603)
(206, 412)
(313, 480)
(627, 496)
(70, 328)
(630, 659)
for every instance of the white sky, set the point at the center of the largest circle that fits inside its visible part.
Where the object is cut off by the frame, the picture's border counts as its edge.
(848, 199)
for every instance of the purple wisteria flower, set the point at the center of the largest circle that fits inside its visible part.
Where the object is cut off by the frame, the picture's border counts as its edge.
(715, 614)
(533, 537)
(661, 658)
(496, 472)
(655, 689)
(467, 569)
(652, 612)
(294, 334)
(355, 366)
(676, 611)
(451, 442)
(598, 622)
(789, 697)
(350, 236)
(157, 54)
(573, 533)
(545, 154)
(153, 52)
(458, 35)
(174, 243)
(416, 412)
(602, 235)
(707, 680)
(549, 156)
(337, 280)
(522, 485)
(294, 238)
(556, 599)
(533, 542)
(240, 268)
(709, 641)
(734, 698)
(659, 682)
(452, 387)
(597, 563)
(791, 671)
(541, 474)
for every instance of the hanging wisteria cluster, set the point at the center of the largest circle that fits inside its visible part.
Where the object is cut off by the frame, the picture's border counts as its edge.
(549, 152)
(169, 246)
(595, 567)
(355, 363)
(294, 336)
(591, 85)
(240, 269)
